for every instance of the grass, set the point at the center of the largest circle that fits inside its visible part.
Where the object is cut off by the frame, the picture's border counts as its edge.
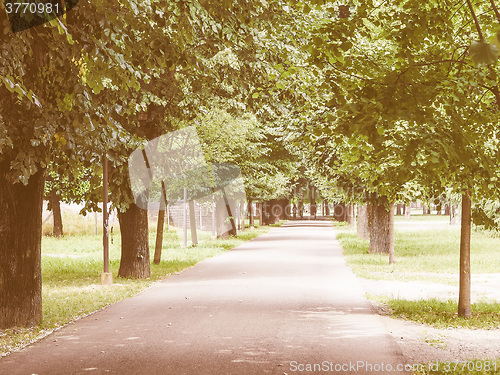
(421, 254)
(71, 269)
(443, 314)
(471, 367)
(430, 256)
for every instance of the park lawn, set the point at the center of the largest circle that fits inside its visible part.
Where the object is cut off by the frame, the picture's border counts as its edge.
(422, 255)
(431, 256)
(71, 271)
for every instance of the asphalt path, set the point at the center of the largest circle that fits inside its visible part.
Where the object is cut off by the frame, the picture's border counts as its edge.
(283, 303)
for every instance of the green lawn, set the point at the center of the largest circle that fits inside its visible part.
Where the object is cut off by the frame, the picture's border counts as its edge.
(422, 255)
(443, 314)
(71, 269)
(431, 256)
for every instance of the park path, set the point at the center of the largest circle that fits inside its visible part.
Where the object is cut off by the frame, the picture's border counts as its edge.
(271, 306)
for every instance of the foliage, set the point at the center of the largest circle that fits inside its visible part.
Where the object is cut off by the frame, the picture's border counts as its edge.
(486, 213)
(240, 141)
(392, 109)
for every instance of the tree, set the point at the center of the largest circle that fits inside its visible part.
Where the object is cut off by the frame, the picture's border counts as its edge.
(422, 112)
(29, 118)
(70, 80)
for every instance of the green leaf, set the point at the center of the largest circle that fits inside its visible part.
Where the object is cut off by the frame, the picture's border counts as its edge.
(483, 53)
(280, 86)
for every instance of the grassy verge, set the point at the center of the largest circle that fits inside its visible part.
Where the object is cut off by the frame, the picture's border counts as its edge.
(421, 255)
(442, 314)
(71, 269)
(430, 256)
(471, 367)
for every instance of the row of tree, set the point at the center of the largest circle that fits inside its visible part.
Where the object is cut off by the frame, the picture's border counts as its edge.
(405, 105)
(101, 81)
(374, 101)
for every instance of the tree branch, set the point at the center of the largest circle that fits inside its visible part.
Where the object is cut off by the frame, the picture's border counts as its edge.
(478, 27)
(495, 9)
(371, 80)
(439, 62)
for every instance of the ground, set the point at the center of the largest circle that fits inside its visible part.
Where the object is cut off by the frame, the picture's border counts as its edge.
(421, 343)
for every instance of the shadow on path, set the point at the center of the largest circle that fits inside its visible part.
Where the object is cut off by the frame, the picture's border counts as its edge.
(271, 306)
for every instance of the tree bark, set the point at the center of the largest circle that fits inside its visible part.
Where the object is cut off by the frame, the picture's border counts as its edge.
(55, 206)
(340, 212)
(281, 210)
(464, 305)
(20, 250)
(381, 223)
(159, 235)
(135, 243)
(243, 215)
(264, 213)
(363, 229)
(224, 219)
(447, 209)
(400, 208)
(250, 213)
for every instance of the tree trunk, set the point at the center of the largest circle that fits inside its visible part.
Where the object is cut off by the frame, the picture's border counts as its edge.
(135, 243)
(447, 209)
(392, 258)
(400, 208)
(231, 214)
(250, 213)
(20, 250)
(55, 206)
(381, 223)
(224, 219)
(439, 208)
(264, 213)
(464, 306)
(159, 235)
(363, 229)
(340, 212)
(282, 211)
(327, 208)
(408, 212)
(243, 215)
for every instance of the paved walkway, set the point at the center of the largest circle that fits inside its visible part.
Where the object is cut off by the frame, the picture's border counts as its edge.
(279, 304)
